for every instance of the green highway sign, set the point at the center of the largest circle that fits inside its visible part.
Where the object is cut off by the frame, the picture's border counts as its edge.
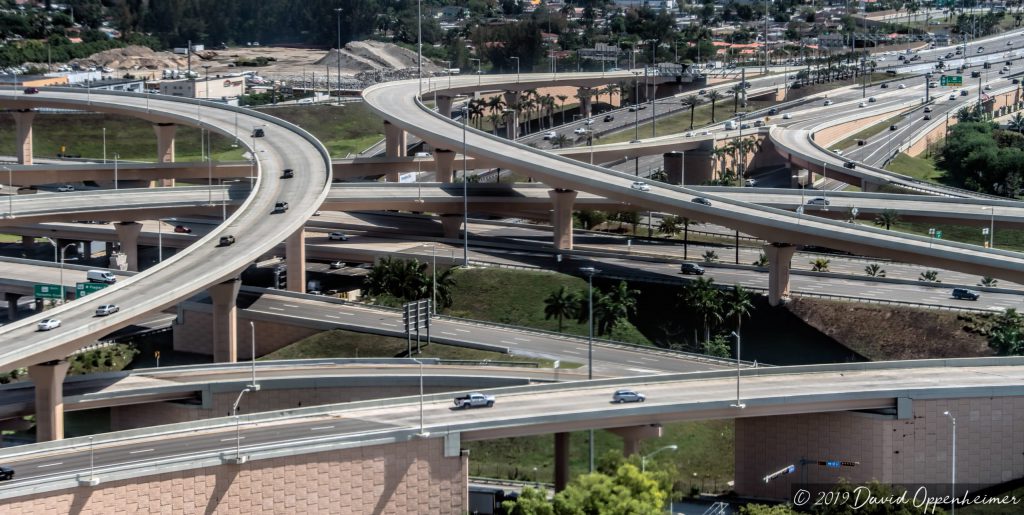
(951, 80)
(47, 291)
(83, 289)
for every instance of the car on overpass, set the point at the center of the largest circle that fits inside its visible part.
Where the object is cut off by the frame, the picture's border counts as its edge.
(48, 324)
(288, 173)
(621, 396)
(691, 268)
(701, 200)
(280, 207)
(474, 400)
(337, 236)
(107, 309)
(65, 187)
(183, 229)
(6, 473)
(818, 201)
(965, 294)
(550, 135)
(640, 186)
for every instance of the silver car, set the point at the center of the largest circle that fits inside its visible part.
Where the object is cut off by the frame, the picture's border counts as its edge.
(107, 309)
(627, 396)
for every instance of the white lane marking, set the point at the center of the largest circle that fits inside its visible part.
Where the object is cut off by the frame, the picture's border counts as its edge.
(463, 330)
(389, 325)
(140, 451)
(276, 309)
(571, 352)
(643, 371)
(232, 439)
(522, 339)
(320, 428)
(508, 342)
(331, 316)
(637, 362)
(346, 314)
(51, 464)
(449, 334)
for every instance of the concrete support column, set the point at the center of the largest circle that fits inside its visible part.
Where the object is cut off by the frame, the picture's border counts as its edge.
(561, 461)
(23, 127)
(225, 320)
(585, 101)
(12, 306)
(452, 225)
(633, 436)
(697, 164)
(512, 124)
(128, 235)
(869, 187)
(165, 147)
(779, 257)
(295, 252)
(28, 242)
(673, 164)
(395, 144)
(444, 106)
(444, 161)
(48, 379)
(561, 217)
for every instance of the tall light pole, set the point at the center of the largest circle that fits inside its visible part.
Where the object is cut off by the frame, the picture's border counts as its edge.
(991, 226)
(61, 253)
(643, 459)
(338, 11)
(479, 79)
(419, 43)
(636, 105)
(104, 145)
(254, 386)
(465, 192)
(738, 403)
(590, 272)
(206, 72)
(422, 433)
(517, 68)
(238, 426)
(953, 479)
(11, 194)
(116, 157)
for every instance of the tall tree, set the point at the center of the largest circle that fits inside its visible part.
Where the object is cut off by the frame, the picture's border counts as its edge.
(561, 304)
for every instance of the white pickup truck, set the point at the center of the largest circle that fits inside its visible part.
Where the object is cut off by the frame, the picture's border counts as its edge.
(474, 400)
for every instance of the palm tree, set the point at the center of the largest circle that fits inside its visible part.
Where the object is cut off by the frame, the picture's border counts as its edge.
(762, 260)
(738, 304)
(929, 276)
(444, 288)
(710, 256)
(692, 101)
(686, 236)
(561, 304)
(988, 281)
(874, 270)
(703, 298)
(612, 89)
(1016, 123)
(561, 140)
(496, 104)
(495, 120)
(714, 96)
(618, 304)
(670, 225)
(820, 265)
(888, 218)
(561, 101)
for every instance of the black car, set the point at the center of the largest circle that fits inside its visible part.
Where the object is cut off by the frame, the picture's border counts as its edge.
(701, 200)
(31, 91)
(861, 143)
(885, 86)
(288, 173)
(609, 117)
(965, 294)
(6, 473)
(227, 240)
(850, 164)
(691, 268)
(257, 133)
(893, 127)
(773, 111)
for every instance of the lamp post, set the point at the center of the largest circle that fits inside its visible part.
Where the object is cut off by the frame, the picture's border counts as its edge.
(991, 226)
(479, 79)
(238, 426)
(465, 192)
(61, 253)
(738, 403)
(11, 194)
(116, 157)
(643, 459)
(422, 433)
(206, 72)
(104, 145)
(590, 272)
(338, 11)
(953, 479)
(254, 386)
(636, 105)
(517, 68)
(448, 70)
(419, 45)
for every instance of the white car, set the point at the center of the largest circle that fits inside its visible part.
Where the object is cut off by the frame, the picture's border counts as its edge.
(590, 121)
(952, 96)
(550, 135)
(750, 183)
(786, 116)
(49, 323)
(640, 185)
(862, 104)
(828, 102)
(338, 236)
(580, 130)
(688, 134)
(107, 309)
(903, 86)
(66, 187)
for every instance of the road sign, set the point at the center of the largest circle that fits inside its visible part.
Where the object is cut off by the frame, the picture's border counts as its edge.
(951, 80)
(938, 235)
(47, 291)
(83, 289)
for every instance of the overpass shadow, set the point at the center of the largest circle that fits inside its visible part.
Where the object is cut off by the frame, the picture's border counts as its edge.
(224, 477)
(81, 498)
(395, 473)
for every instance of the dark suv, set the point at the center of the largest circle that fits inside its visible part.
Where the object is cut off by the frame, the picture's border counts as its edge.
(6, 473)
(965, 294)
(288, 173)
(691, 268)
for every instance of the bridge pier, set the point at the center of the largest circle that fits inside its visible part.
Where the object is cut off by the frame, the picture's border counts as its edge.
(12, 306)
(165, 147)
(512, 124)
(443, 165)
(48, 379)
(672, 162)
(395, 144)
(23, 127)
(444, 106)
(779, 256)
(452, 226)
(869, 187)
(128, 236)
(697, 164)
(225, 320)
(295, 255)
(586, 101)
(28, 243)
(561, 461)
(634, 435)
(561, 217)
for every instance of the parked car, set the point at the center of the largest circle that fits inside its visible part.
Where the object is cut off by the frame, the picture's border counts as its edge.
(550, 135)
(621, 396)
(965, 294)
(226, 241)
(182, 229)
(640, 185)
(6, 473)
(701, 200)
(31, 91)
(280, 207)
(691, 269)
(609, 117)
(337, 236)
(474, 400)
(66, 187)
(818, 201)
(48, 324)
(107, 309)
(288, 173)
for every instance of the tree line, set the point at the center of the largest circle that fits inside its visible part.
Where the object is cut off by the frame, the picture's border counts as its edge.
(980, 157)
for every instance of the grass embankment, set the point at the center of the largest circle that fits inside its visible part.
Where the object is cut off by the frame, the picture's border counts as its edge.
(704, 457)
(346, 129)
(873, 130)
(1005, 239)
(346, 344)
(917, 167)
(680, 121)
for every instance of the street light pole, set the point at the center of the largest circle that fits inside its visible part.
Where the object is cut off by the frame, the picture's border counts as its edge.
(738, 403)
(517, 68)
(63, 250)
(465, 192)
(116, 157)
(991, 226)
(238, 426)
(338, 11)
(590, 272)
(252, 329)
(104, 145)
(419, 44)
(11, 194)
(953, 481)
(159, 240)
(479, 79)
(422, 433)
(643, 459)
